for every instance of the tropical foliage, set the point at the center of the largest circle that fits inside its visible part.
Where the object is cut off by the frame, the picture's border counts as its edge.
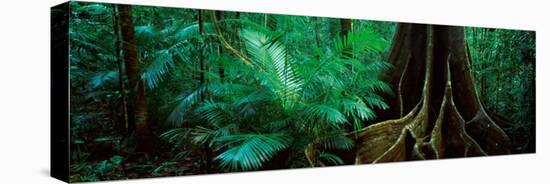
(230, 91)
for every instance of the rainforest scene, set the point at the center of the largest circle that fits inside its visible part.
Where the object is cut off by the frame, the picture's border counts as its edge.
(158, 91)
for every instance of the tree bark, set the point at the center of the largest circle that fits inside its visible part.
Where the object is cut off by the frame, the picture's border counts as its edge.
(436, 111)
(136, 86)
(122, 90)
(204, 67)
(315, 22)
(221, 71)
(202, 64)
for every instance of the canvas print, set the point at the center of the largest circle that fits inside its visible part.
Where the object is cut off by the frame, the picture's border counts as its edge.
(158, 91)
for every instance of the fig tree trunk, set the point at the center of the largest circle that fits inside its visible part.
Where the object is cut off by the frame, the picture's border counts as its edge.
(436, 111)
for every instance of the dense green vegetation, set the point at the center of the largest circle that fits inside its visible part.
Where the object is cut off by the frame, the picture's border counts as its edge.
(230, 91)
(504, 68)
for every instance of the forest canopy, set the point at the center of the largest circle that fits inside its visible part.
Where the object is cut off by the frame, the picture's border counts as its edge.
(160, 91)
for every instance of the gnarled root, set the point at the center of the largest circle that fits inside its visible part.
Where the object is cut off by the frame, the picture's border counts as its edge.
(448, 120)
(415, 137)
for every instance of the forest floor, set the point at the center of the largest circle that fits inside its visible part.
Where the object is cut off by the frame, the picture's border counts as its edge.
(99, 154)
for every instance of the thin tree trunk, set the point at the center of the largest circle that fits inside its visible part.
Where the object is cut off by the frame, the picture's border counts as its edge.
(136, 87)
(265, 20)
(116, 28)
(203, 69)
(316, 34)
(202, 65)
(238, 33)
(221, 71)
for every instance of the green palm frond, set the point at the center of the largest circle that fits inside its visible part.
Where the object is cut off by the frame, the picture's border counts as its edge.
(326, 113)
(374, 85)
(184, 105)
(93, 9)
(272, 57)
(249, 25)
(260, 94)
(146, 32)
(176, 136)
(337, 141)
(215, 89)
(358, 109)
(88, 42)
(206, 136)
(163, 60)
(227, 89)
(103, 77)
(374, 100)
(191, 31)
(249, 103)
(331, 158)
(250, 151)
(377, 66)
(159, 67)
(365, 40)
(323, 82)
(214, 112)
